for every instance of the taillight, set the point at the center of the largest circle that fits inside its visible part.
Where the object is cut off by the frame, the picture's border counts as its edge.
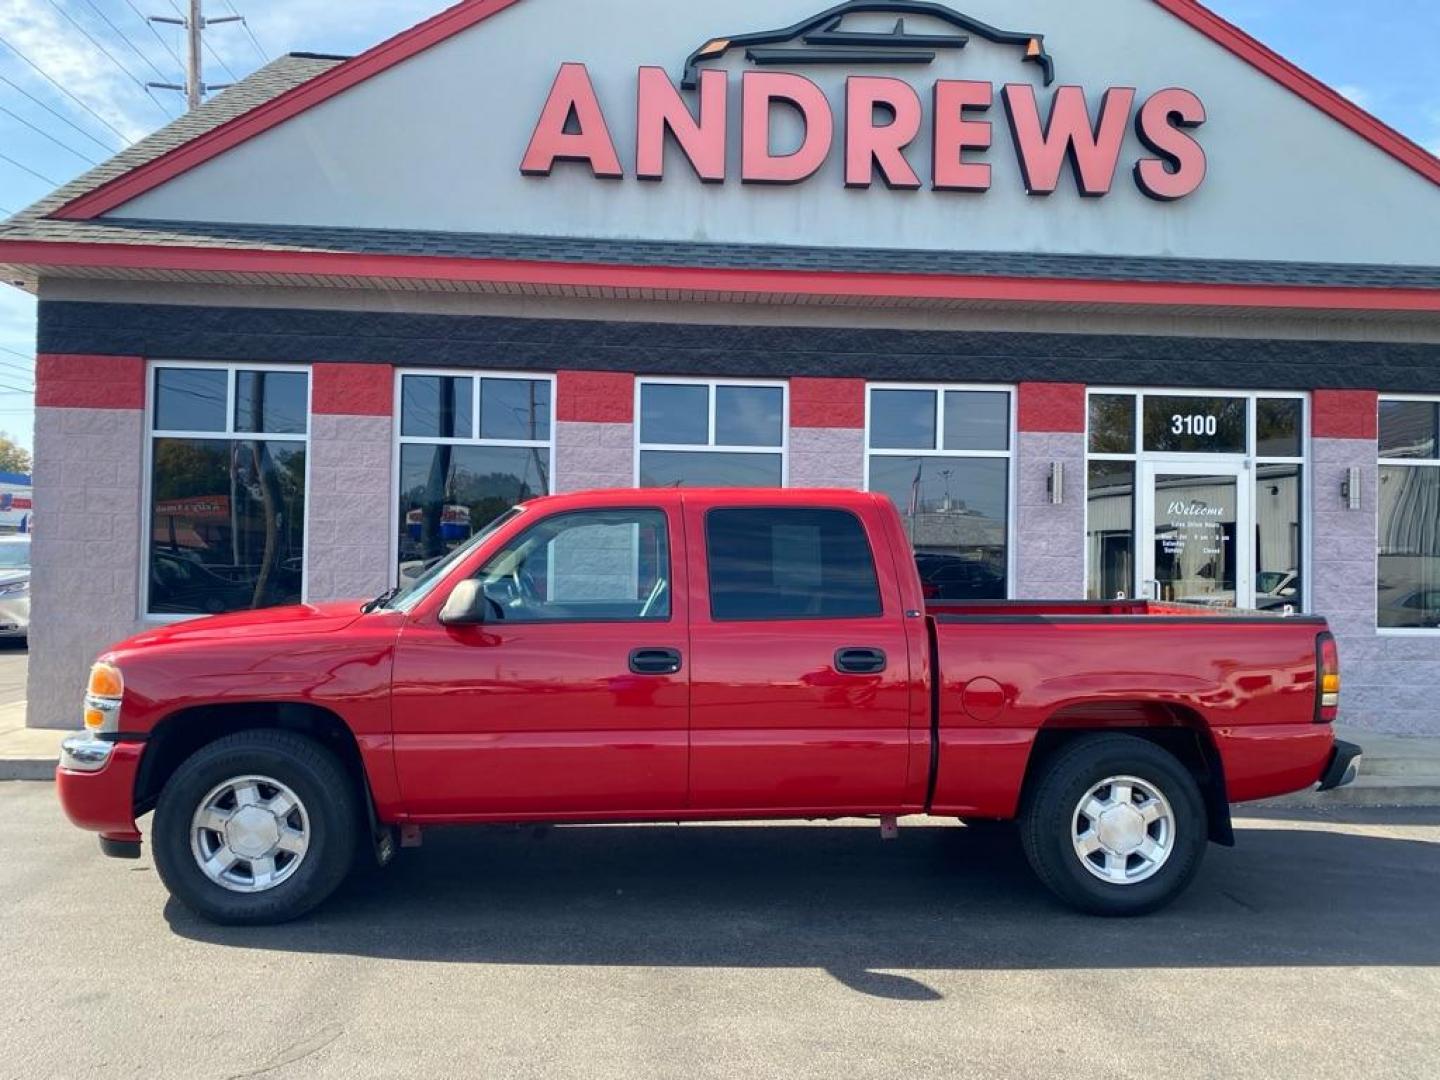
(1327, 679)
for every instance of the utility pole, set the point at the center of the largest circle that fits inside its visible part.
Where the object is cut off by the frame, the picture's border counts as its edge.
(194, 26)
(194, 72)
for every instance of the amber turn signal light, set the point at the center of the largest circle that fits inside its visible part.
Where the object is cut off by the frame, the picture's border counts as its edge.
(106, 681)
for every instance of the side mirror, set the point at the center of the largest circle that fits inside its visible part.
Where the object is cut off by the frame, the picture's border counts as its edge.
(466, 605)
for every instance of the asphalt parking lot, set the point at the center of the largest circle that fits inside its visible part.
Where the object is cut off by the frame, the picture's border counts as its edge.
(1312, 950)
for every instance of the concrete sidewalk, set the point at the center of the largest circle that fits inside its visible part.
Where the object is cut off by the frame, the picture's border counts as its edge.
(1398, 770)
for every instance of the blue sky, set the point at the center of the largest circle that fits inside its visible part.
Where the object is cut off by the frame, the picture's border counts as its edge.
(1380, 53)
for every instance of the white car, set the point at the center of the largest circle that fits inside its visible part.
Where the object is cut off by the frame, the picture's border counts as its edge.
(14, 586)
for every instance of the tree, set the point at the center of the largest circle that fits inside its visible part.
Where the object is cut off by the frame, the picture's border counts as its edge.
(14, 458)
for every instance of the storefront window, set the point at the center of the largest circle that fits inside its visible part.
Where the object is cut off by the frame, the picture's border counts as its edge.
(1203, 504)
(1409, 563)
(228, 450)
(711, 434)
(471, 447)
(942, 454)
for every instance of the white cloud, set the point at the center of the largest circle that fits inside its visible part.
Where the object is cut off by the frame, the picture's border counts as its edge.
(1358, 94)
(38, 32)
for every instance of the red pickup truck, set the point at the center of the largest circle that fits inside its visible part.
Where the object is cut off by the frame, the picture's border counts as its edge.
(694, 655)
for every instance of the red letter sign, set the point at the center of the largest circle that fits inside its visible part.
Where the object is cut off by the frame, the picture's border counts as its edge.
(867, 145)
(572, 96)
(760, 90)
(954, 135)
(661, 108)
(1094, 154)
(1160, 123)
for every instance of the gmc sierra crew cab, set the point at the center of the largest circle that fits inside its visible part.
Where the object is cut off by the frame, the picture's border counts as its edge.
(694, 655)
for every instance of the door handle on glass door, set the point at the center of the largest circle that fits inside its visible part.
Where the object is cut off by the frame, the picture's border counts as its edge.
(860, 661)
(655, 661)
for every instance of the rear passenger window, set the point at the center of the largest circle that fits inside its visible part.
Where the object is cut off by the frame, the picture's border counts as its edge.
(789, 564)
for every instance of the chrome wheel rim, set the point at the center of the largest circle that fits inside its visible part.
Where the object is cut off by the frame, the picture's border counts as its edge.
(250, 834)
(1123, 830)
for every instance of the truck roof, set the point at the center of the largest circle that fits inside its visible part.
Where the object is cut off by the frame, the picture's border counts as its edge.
(846, 497)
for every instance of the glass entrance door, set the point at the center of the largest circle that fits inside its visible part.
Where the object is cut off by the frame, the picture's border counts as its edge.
(1196, 527)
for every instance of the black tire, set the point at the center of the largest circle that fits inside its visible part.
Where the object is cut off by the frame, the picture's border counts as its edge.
(312, 773)
(1048, 824)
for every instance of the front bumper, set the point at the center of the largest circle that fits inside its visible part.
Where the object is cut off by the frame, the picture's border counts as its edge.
(96, 785)
(1344, 766)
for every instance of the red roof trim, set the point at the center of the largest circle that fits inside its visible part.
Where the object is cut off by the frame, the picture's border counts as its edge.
(470, 12)
(667, 279)
(277, 110)
(1301, 82)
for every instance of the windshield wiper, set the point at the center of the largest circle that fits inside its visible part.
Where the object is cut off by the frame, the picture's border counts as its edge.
(380, 601)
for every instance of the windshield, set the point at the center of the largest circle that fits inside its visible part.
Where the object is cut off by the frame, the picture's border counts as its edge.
(15, 555)
(417, 590)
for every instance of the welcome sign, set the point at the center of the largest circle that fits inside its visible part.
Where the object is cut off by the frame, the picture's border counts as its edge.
(882, 121)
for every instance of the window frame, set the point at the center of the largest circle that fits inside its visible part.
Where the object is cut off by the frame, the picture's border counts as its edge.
(399, 440)
(147, 465)
(1012, 555)
(1249, 457)
(710, 577)
(710, 446)
(1385, 463)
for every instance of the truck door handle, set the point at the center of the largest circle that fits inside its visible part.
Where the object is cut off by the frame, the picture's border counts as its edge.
(655, 661)
(860, 661)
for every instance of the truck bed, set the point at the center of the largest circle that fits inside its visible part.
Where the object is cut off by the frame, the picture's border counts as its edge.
(1031, 609)
(1008, 671)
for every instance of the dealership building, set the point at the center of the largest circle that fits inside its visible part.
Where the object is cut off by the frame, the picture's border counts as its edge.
(1108, 297)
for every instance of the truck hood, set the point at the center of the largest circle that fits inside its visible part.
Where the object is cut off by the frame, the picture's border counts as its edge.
(301, 620)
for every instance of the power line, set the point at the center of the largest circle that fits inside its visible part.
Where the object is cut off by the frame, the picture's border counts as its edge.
(125, 38)
(264, 56)
(151, 27)
(32, 172)
(17, 352)
(17, 367)
(57, 114)
(41, 71)
(45, 134)
(110, 56)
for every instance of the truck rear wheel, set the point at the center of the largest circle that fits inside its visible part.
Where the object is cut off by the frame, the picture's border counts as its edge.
(1115, 825)
(255, 828)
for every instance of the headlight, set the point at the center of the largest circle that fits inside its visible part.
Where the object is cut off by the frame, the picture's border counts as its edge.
(102, 698)
(15, 589)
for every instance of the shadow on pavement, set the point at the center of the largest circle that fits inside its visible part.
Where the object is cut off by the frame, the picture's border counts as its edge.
(840, 899)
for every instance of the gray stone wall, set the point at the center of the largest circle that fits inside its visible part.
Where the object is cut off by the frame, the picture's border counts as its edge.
(1050, 560)
(85, 576)
(1388, 681)
(351, 507)
(593, 455)
(827, 457)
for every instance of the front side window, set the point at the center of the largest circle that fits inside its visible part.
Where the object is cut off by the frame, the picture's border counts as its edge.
(1409, 563)
(711, 434)
(591, 566)
(942, 454)
(472, 445)
(789, 564)
(228, 448)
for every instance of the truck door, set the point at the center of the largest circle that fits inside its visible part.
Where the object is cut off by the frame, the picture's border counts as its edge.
(800, 674)
(571, 699)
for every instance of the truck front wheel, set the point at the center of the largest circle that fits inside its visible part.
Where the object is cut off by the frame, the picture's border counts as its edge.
(1114, 825)
(255, 828)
